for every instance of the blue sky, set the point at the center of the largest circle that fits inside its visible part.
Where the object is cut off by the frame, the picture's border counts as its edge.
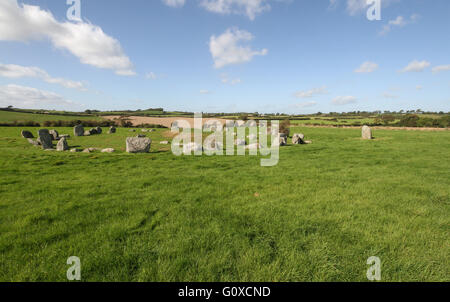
(294, 56)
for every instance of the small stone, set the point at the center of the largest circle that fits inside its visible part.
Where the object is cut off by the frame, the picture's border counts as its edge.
(164, 143)
(112, 130)
(27, 134)
(33, 142)
(76, 150)
(108, 150)
(298, 139)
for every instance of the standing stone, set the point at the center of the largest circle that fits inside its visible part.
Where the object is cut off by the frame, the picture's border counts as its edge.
(112, 130)
(78, 130)
(27, 134)
(282, 139)
(45, 139)
(298, 139)
(54, 134)
(93, 131)
(138, 144)
(367, 133)
(62, 145)
(99, 130)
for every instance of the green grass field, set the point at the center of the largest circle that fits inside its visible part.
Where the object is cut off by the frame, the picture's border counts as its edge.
(7, 116)
(316, 216)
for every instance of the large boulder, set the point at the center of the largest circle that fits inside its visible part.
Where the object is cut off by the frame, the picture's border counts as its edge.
(112, 130)
(54, 134)
(62, 145)
(138, 144)
(27, 134)
(45, 139)
(366, 132)
(78, 130)
(298, 139)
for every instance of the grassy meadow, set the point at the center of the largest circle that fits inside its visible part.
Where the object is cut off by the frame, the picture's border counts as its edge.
(8, 117)
(316, 216)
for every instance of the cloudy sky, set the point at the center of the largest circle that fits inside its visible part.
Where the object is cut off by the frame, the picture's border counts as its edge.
(295, 56)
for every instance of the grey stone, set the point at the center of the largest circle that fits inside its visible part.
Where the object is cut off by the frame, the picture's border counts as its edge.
(99, 130)
(366, 132)
(45, 139)
(64, 136)
(62, 145)
(138, 144)
(78, 130)
(141, 135)
(33, 142)
(132, 130)
(27, 134)
(112, 130)
(298, 139)
(164, 143)
(87, 133)
(76, 150)
(54, 134)
(93, 131)
(108, 150)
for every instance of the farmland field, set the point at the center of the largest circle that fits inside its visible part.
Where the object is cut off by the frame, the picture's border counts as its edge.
(316, 216)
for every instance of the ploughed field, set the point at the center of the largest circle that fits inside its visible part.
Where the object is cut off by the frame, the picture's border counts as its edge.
(316, 216)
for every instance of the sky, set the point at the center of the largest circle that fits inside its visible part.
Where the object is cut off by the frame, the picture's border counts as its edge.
(267, 56)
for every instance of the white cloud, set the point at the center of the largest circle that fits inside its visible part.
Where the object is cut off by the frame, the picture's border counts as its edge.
(226, 49)
(416, 66)
(306, 104)
(151, 76)
(249, 8)
(226, 80)
(440, 68)
(400, 21)
(32, 98)
(204, 91)
(367, 67)
(174, 3)
(17, 71)
(310, 93)
(344, 100)
(388, 95)
(86, 41)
